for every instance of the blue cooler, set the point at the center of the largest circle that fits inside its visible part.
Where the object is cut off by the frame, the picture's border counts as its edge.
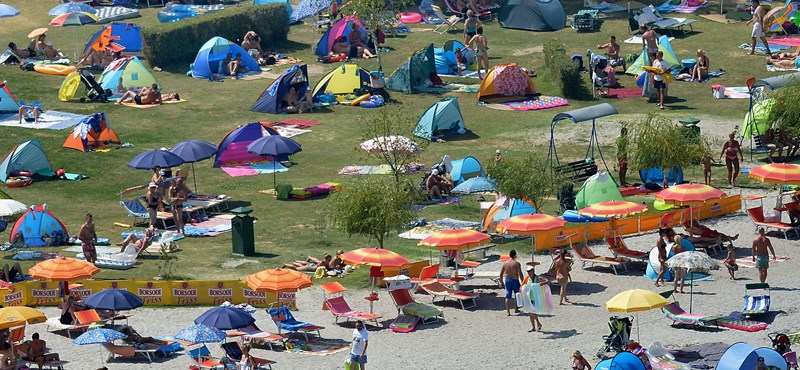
(689, 63)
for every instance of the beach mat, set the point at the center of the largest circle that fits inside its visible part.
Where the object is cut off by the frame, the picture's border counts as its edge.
(743, 325)
(212, 227)
(253, 169)
(737, 92)
(50, 120)
(747, 262)
(286, 131)
(383, 169)
(761, 49)
(297, 122)
(530, 104)
(784, 40)
(623, 92)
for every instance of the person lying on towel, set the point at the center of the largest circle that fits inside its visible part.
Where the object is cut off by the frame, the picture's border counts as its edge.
(147, 96)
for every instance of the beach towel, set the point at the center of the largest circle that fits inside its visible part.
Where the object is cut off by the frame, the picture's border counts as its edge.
(772, 68)
(684, 7)
(286, 131)
(737, 92)
(466, 74)
(101, 249)
(33, 256)
(761, 49)
(252, 169)
(145, 106)
(747, 262)
(537, 103)
(50, 120)
(455, 224)
(784, 40)
(623, 92)
(383, 169)
(211, 227)
(711, 74)
(64, 61)
(637, 39)
(743, 325)
(607, 7)
(296, 122)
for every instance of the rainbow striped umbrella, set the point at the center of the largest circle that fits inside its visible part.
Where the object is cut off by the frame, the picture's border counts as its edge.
(687, 194)
(777, 173)
(374, 257)
(74, 19)
(278, 280)
(613, 208)
(456, 239)
(528, 224)
(780, 15)
(63, 269)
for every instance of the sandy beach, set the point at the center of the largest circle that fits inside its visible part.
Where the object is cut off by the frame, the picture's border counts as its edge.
(486, 337)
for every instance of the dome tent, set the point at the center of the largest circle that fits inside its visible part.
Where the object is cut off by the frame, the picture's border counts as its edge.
(214, 52)
(37, 222)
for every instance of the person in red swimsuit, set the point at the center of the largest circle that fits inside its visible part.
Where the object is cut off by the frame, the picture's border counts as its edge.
(732, 151)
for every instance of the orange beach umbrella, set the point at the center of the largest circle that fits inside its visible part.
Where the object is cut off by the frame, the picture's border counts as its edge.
(456, 239)
(278, 280)
(20, 315)
(688, 194)
(613, 208)
(777, 173)
(374, 257)
(530, 223)
(63, 269)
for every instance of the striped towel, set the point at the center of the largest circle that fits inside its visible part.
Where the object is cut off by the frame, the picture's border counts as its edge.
(749, 263)
(743, 325)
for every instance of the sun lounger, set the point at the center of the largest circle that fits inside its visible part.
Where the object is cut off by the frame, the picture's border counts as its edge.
(743, 325)
(678, 316)
(585, 255)
(84, 319)
(617, 246)
(234, 352)
(756, 304)
(284, 320)
(137, 210)
(148, 351)
(201, 357)
(340, 309)
(437, 289)
(252, 334)
(431, 274)
(405, 302)
(757, 215)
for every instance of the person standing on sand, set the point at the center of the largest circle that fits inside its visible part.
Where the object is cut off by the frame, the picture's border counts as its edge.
(730, 262)
(762, 247)
(358, 352)
(758, 27)
(88, 236)
(531, 279)
(510, 278)
(661, 244)
(562, 265)
(679, 272)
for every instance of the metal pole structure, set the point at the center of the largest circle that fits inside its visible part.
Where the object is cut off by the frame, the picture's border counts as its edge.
(194, 178)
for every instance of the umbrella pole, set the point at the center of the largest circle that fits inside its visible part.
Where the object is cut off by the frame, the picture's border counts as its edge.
(194, 178)
(75, 32)
(638, 338)
(691, 291)
(274, 183)
(533, 246)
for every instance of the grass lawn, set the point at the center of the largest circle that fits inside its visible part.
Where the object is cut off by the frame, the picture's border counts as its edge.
(292, 230)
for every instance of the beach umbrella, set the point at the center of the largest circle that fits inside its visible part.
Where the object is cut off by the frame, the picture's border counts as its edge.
(777, 173)
(9, 207)
(275, 146)
(113, 300)
(278, 280)
(455, 239)
(225, 318)
(63, 269)
(688, 194)
(70, 7)
(199, 333)
(391, 144)
(635, 300)
(613, 208)
(377, 258)
(530, 224)
(20, 315)
(37, 32)
(152, 158)
(75, 19)
(98, 336)
(475, 185)
(7, 11)
(194, 151)
(692, 261)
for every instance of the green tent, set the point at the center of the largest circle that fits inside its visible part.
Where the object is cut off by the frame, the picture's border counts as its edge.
(669, 55)
(755, 121)
(413, 72)
(598, 188)
(441, 118)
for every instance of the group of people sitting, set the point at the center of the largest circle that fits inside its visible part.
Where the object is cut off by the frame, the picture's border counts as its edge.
(99, 59)
(776, 140)
(38, 48)
(438, 185)
(331, 265)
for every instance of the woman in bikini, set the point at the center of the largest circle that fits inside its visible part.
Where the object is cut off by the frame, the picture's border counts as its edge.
(732, 151)
(579, 362)
(481, 46)
(153, 199)
(700, 70)
(471, 24)
(661, 244)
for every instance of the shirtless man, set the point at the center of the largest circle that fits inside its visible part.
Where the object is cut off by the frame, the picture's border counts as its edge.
(612, 53)
(762, 247)
(147, 96)
(481, 46)
(88, 236)
(562, 265)
(21, 53)
(36, 351)
(758, 27)
(510, 278)
(649, 42)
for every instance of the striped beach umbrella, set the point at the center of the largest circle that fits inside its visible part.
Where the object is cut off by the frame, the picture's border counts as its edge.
(529, 224)
(278, 280)
(777, 173)
(63, 269)
(374, 257)
(613, 208)
(688, 194)
(74, 19)
(456, 239)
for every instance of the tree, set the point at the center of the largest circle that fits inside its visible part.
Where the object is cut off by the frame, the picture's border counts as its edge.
(530, 178)
(657, 141)
(375, 14)
(372, 208)
(384, 127)
(785, 112)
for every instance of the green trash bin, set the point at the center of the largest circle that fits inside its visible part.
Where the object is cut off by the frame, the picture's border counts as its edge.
(243, 237)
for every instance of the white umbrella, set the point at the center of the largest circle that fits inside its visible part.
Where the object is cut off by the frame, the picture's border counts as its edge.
(692, 261)
(10, 207)
(391, 144)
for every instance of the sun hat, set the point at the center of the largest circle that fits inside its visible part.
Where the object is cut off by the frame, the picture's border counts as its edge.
(530, 268)
(435, 172)
(152, 185)
(497, 151)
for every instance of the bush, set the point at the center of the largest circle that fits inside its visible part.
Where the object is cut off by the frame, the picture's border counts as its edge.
(565, 72)
(173, 44)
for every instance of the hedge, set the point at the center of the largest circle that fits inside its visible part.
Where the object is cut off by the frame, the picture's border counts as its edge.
(175, 44)
(566, 74)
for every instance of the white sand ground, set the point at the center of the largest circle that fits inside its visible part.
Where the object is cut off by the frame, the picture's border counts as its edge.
(485, 337)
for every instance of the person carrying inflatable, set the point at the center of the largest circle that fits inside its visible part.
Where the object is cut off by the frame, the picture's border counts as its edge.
(534, 298)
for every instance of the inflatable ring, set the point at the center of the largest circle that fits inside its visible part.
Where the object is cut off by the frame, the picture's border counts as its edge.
(18, 182)
(373, 102)
(337, 58)
(409, 17)
(54, 69)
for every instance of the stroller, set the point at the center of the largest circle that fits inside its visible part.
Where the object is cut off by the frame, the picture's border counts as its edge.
(618, 339)
(94, 91)
(780, 342)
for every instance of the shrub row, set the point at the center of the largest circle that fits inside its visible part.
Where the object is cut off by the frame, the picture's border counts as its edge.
(565, 73)
(173, 44)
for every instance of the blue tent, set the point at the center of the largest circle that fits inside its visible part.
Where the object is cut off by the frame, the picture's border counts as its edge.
(213, 52)
(466, 168)
(37, 222)
(502, 209)
(127, 35)
(445, 57)
(342, 27)
(288, 6)
(7, 102)
(742, 356)
(622, 361)
(308, 8)
(441, 118)
(675, 176)
(28, 156)
(271, 100)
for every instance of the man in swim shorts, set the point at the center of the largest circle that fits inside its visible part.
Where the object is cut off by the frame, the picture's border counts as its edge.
(510, 277)
(762, 247)
(649, 42)
(148, 95)
(758, 27)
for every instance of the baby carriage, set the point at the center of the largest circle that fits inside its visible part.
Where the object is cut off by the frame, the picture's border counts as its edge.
(94, 91)
(618, 339)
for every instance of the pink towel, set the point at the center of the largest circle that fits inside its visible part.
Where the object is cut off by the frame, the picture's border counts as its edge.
(237, 171)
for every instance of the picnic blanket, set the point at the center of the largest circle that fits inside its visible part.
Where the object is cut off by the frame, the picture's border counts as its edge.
(683, 7)
(761, 49)
(637, 39)
(383, 169)
(297, 122)
(145, 106)
(211, 227)
(51, 120)
(252, 169)
(422, 232)
(287, 131)
(737, 92)
(536, 103)
(711, 74)
(785, 40)
(748, 261)
(623, 92)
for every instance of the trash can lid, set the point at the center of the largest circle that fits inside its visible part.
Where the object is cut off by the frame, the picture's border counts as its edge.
(689, 120)
(242, 210)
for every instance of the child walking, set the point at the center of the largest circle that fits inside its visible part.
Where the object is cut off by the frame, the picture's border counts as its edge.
(730, 262)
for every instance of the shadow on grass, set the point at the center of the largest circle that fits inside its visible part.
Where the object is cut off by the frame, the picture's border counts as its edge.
(291, 46)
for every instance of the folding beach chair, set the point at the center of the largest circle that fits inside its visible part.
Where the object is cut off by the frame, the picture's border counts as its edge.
(617, 246)
(448, 23)
(756, 304)
(234, 351)
(284, 320)
(437, 289)
(201, 357)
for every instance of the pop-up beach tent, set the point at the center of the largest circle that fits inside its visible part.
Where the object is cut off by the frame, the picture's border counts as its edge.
(413, 72)
(132, 72)
(755, 120)
(505, 82)
(91, 133)
(7, 102)
(213, 52)
(600, 187)
(622, 361)
(743, 356)
(443, 117)
(533, 15)
(232, 149)
(466, 168)
(127, 35)
(37, 222)
(669, 56)
(343, 80)
(26, 157)
(502, 209)
(342, 27)
(271, 99)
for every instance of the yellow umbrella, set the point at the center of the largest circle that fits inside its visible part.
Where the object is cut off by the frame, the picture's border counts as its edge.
(635, 300)
(20, 315)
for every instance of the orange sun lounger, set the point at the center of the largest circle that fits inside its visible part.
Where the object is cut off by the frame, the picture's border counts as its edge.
(341, 309)
(437, 289)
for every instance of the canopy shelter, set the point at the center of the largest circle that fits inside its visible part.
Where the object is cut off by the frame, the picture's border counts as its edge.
(759, 97)
(580, 115)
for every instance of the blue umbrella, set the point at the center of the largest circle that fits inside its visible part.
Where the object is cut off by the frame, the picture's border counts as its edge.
(199, 333)
(475, 185)
(113, 300)
(98, 336)
(225, 318)
(7, 11)
(70, 7)
(275, 146)
(194, 151)
(153, 158)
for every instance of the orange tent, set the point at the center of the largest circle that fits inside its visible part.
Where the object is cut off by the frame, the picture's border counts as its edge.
(91, 133)
(504, 82)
